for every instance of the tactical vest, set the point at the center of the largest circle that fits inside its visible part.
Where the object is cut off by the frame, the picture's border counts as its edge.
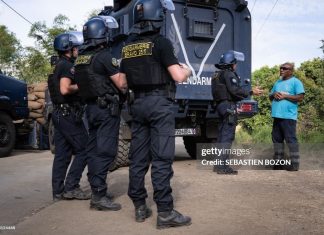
(91, 85)
(53, 82)
(141, 68)
(219, 89)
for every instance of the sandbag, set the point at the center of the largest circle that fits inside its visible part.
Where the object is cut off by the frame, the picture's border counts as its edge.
(40, 87)
(41, 101)
(41, 110)
(35, 115)
(32, 105)
(40, 94)
(32, 97)
(41, 121)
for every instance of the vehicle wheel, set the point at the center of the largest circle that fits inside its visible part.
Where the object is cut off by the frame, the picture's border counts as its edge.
(51, 131)
(7, 135)
(121, 160)
(190, 143)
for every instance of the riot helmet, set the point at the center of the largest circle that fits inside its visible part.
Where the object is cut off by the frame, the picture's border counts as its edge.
(96, 30)
(229, 58)
(149, 14)
(66, 41)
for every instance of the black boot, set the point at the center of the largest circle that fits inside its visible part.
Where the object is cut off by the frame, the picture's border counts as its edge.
(172, 219)
(142, 212)
(57, 197)
(76, 193)
(104, 204)
(293, 167)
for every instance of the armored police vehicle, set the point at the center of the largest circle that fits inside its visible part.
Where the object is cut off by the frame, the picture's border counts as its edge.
(201, 31)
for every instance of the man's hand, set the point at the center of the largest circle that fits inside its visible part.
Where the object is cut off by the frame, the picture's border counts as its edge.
(278, 96)
(257, 91)
(186, 67)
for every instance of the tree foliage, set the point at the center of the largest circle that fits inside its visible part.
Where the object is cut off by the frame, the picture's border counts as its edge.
(9, 48)
(45, 35)
(34, 66)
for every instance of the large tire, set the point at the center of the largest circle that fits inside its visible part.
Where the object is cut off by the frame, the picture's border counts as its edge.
(51, 131)
(121, 160)
(7, 135)
(190, 143)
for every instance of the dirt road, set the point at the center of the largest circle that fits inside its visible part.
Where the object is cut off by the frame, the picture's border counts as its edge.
(253, 202)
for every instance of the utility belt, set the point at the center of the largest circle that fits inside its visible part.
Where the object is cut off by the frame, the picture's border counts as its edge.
(155, 92)
(67, 106)
(111, 102)
(231, 112)
(75, 109)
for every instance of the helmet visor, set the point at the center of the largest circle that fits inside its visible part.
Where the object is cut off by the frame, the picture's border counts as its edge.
(110, 22)
(75, 37)
(168, 4)
(239, 56)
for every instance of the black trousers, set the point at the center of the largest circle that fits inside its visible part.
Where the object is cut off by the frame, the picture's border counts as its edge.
(226, 130)
(153, 141)
(102, 146)
(285, 130)
(70, 138)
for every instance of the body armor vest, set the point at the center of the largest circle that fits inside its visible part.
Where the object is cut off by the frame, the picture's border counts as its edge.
(219, 89)
(142, 69)
(91, 85)
(53, 82)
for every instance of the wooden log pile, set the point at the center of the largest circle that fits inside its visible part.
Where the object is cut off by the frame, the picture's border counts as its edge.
(36, 102)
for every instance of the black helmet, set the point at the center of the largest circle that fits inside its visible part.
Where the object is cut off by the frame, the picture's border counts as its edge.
(148, 10)
(152, 13)
(66, 41)
(97, 29)
(229, 58)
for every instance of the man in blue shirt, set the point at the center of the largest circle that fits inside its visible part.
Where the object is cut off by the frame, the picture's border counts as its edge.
(285, 95)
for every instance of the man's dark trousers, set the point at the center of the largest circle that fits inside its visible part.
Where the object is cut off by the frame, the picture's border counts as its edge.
(102, 146)
(226, 130)
(70, 138)
(285, 130)
(153, 141)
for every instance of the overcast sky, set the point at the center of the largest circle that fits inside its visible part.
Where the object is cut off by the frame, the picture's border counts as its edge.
(292, 32)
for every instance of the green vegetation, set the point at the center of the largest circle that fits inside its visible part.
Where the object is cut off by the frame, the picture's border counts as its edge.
(31, 64)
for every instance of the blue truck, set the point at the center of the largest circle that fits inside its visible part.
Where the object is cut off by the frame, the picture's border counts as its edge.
(201, 31)
(13, 111)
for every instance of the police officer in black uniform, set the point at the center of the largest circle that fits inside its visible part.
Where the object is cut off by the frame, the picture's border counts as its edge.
(227, 91)
(70, 135)
(97, 75)
(151, 70)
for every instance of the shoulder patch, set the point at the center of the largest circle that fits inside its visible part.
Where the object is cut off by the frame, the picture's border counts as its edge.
(234, 80)
(114, 62)
(72, 70)
(137, 50)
